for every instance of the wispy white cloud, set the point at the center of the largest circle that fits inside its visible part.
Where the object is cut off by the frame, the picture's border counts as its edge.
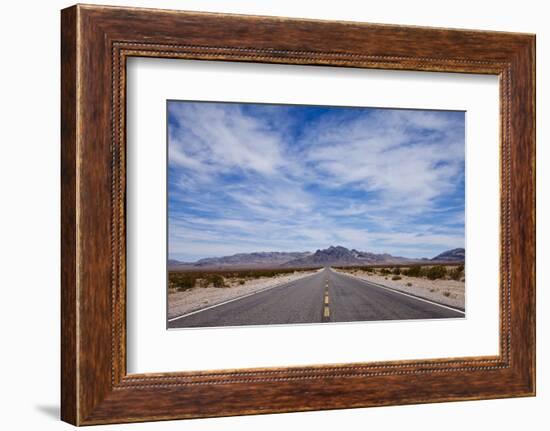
(409, 158)
(212, 136)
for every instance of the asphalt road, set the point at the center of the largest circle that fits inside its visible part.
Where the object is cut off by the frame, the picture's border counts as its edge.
(326, 296)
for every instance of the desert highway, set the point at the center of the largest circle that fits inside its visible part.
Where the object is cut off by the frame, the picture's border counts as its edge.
(326, 296)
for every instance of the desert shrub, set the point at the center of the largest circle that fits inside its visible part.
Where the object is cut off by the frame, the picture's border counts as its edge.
(203, 282)
(435, 272)
(217, 280)
(208, 280)
(456, 273)
(186, 279)
(409, 284)
(241, 282)
(385, 271)
(414, 271)
(447, 293)
(396, 277)
(182, 281)
(396, 271)
(369, 269)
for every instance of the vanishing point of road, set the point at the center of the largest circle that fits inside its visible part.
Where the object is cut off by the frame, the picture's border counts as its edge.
(326, 296)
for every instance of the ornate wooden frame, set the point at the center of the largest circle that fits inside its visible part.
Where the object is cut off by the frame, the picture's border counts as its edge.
(96, 41)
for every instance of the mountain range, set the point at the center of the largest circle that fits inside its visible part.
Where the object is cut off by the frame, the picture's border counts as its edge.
(331, 256)
(272, 258)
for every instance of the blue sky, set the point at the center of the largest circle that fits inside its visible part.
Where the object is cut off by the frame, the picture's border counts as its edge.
(253, 177)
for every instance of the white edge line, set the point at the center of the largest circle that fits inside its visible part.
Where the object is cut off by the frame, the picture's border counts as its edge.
(237, 298)
(402, 293)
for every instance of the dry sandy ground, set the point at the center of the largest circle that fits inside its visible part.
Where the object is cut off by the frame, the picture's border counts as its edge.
(448, 292)
(200, 297)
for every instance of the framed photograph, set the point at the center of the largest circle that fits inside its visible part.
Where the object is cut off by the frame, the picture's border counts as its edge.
(265, 215)
(290, 179)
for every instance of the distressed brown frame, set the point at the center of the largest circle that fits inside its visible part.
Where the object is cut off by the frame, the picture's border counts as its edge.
(95, 42)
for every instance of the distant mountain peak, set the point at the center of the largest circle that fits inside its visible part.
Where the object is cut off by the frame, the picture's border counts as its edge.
(342, 256)
(453, 255)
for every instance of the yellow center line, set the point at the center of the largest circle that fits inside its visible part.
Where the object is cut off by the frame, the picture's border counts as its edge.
(326, 309)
